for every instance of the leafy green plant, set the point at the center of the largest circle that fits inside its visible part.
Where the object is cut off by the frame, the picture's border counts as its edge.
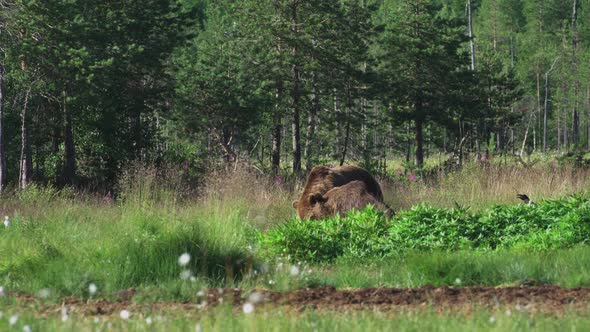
(550, 224)
(359, 234)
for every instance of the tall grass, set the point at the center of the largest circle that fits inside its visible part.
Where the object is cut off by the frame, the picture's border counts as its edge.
(64, 240)
(65, 244)
(478, 186)
(223, 319)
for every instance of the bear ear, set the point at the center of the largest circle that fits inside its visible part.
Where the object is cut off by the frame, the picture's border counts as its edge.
(316, 198)
(295, 204)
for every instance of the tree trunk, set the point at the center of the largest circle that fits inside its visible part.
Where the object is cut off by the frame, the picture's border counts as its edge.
(419, 143)
(546, 104)
(512, 141)
(512, 55)
(558, 130)
(538, 74)
(25, 162)
(364, 109)
(2, 156)
(338, 125)
(347, 130)
(495, 25)
(69, 172)
(311, 125)
(296, 94)
(276, 131)
(470, 27)
(545, 111)
(409, 143)
(588, 119)
(576, 115)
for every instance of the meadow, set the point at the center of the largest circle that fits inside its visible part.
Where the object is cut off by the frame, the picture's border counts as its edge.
(238, 229)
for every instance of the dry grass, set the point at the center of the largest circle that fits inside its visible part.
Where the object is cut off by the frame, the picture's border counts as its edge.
(264, 200)
(267, 202)
(479, 187)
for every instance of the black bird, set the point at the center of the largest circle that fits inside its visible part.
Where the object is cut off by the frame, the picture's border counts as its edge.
(525, 198)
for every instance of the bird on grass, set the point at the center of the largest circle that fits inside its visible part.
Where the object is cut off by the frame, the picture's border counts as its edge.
(525, 199)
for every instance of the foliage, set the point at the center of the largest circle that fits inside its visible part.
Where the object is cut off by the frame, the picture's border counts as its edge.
(358, 234)
(107, 84)
(66, 246)
(550, 224)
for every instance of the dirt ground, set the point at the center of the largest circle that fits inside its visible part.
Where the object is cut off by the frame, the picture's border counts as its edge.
(543, 299)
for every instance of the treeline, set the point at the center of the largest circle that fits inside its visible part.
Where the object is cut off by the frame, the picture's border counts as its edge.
(87, 87)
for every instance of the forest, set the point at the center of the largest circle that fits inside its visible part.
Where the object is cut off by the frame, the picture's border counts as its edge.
(154, 156)
(89, 87)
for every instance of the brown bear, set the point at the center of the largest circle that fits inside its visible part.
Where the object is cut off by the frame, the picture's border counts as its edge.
(322, 179)
(353, 195)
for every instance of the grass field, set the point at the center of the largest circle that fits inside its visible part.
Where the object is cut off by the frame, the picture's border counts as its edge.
(226, 319)
(64, 244)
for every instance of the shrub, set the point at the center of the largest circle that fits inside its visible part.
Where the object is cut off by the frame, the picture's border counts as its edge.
(549, 224)
(358, 234)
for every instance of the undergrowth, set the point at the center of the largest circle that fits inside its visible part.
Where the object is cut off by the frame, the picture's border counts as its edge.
(550, 224)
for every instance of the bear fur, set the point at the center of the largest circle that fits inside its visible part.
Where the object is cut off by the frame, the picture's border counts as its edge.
(353, 195)
(322, 179)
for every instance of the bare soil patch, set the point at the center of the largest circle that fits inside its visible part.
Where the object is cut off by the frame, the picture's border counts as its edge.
(545, 299)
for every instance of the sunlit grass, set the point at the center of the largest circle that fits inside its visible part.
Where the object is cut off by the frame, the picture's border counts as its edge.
(478, 186)
(61, 242)
(265, 319)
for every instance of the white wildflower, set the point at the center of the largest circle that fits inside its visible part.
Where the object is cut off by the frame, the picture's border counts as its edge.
(149, 321)
(13, 319)
(1, 291)
(184, 259)
(27, 328)
(92, 289)
(44, 293)
(248, 308)
(6, 222)
(508, 312)
(294, 271)
(125, 314)
(64, 314)
(198, 328)
(458, 281)
(492, 319)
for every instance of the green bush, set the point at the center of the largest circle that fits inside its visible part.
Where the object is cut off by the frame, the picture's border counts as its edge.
(550, 224)
(358, 234)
